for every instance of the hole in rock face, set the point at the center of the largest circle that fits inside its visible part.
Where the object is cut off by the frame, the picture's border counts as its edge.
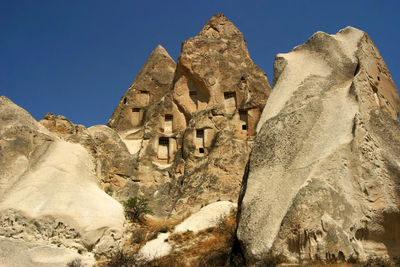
(228, 95)
(136, 116)
(144, 97)
(357, 69)
(200, 133)
(341, 256)
(125, 100)
(199, 141)
(230, 101)
(163, 149)
(379, 78)
(244, 127)
(168, 123)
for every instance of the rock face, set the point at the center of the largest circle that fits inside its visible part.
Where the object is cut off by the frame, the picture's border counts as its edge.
(193, 135)
(323, 178)
(49, 195)
(150, 85)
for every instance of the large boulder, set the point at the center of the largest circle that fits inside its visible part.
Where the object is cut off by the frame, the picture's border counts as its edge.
(323, 178)
(50, 200)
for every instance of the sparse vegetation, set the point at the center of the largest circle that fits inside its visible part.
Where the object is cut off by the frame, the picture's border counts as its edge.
(271, 260)
(75, 263)
(210, 247)
(136, 208)
(120, 259)
(378, 262)
(353, 262)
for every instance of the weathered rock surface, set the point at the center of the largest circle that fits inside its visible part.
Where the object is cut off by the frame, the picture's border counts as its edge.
(194, 139)
(149, 86)
(114, 163)
(49, 194)
(323, 178)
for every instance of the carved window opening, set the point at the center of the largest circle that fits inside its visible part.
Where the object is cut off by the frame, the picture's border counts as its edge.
(168, 122)
(200, 141)
(243, 119)
(125, 100)
(144, 97)
(163, 149)
(136, 117)
(200, 133)
(230, 100)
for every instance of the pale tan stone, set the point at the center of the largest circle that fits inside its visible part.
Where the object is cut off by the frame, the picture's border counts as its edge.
(323, 176)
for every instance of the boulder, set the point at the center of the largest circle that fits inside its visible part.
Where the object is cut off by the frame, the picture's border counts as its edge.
(49, 194)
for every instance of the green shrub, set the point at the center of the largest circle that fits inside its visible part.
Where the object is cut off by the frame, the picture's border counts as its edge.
(136, 208)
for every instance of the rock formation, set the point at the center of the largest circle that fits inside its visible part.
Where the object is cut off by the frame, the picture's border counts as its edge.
(323, 179)
(194, 133)
(49, 198)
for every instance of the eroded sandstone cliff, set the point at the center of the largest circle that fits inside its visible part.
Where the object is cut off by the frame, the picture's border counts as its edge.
(193, 136)
(322, 150)
(324, 175)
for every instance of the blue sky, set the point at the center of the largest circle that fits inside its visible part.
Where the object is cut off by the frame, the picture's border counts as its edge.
(77, 58)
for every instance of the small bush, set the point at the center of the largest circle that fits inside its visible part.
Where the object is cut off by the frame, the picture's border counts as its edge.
(377, 262)
(136, 208)
(120, 259)
(75, 263)
(271, 260)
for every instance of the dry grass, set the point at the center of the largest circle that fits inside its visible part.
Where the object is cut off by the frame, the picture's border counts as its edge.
(342, 264)
(211, 247)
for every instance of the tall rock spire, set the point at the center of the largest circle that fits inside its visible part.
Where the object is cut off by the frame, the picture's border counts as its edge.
(196, 134)
(152, 83)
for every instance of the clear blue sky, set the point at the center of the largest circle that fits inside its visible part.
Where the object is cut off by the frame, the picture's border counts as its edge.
(77, 58)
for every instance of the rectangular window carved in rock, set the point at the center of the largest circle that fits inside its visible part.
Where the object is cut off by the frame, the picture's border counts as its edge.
(136, 117)
(230, 101)
(163, 149)
(200, 141)
(243, 119)
(144, 97)
(168, 123)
